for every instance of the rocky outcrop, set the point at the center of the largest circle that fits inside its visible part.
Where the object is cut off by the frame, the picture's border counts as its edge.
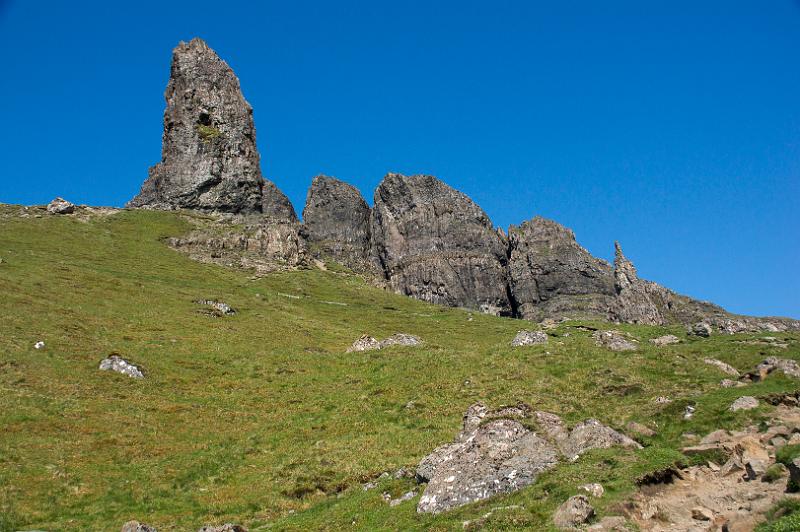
(60, 206)
(368, 343)
(209, 158)
(573, 512)
(120, 365)
(615, 340)
(436, 244)
(529, 338)
(550, 274)
(336, 222)
(636, 299)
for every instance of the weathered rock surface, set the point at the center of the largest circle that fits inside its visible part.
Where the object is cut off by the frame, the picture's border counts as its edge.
(498, 456)
(60, 206)
(789, 367)
(587, 435)
(136, 526)
(368, 343)
(722, 366)
(227, 527)
(667, 339)
(336, 222)
(436, 244)
(615, 340)
(529, 338)
(120, 365)
(636, 299)
(218, 308)
(744, 403)
(594, 489)
(700, 329)
(550, 274)
(209, 157)
(573, 512)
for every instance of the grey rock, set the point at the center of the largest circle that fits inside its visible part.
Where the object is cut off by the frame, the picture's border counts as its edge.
(209, 157)
(336, 222)
(665, 340)
(218, 307)
(136, 526)
(436, 244)
(744, 403)
(728, 383)
(722, 366)
(407, 496)
(700, 329)
(591, 434)
(60, 206)
(614, 340)
(487, 458)
(227, 527)
(636, 299)
(368, 343)
(550, 274)
(364, 343)
(529, 338)
(594, 489)
(789, 367)
(573, 512)
(120, 365)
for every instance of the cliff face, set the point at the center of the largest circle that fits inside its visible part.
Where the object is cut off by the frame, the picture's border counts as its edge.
(209, 159)
(422, 238)
(336, 222)
(551, 274)
(436, 244)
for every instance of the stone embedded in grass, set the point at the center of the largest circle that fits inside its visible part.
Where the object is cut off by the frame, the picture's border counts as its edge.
(218, 308)
(529, 338)
(664, 340)
(727, 383)
(614, 340)
(744, 403)
(573, 512)
(722, 366)
(638, 428)
(60, 206)
(700, 329)
(369, 343)
(789, 367)
(136, 526)
(594, 489)
(38, 345)
(120, 365)
(227, 527)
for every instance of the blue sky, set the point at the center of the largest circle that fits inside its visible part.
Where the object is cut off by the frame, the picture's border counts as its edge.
(671, 126)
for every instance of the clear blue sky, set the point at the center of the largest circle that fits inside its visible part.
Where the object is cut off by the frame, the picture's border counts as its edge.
(672, 126)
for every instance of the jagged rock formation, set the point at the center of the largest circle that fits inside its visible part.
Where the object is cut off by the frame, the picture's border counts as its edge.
(550, 274)
(635, 298)
(209, 156)
(436, 244)
(336, 222)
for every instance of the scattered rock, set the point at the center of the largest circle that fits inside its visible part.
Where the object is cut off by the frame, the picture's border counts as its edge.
(487, 458)
(227, 527)
(700, 513)
(725, 368)
(589, 434)
(638, 428)
(368, 343)
(700, 329)
(614, 340)
(529, 338)
(727, 383)
(60, 206)
(744, 403)
(401, 499)
(688, 412)
(38, 345)
(120, 365)
(575, 511)
(661, 400)
(594, 489)
(218, 307)
(789, 367)
(136, 526)
(665, 340)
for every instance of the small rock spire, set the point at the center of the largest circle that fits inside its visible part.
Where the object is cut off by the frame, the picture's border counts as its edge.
(624, 270)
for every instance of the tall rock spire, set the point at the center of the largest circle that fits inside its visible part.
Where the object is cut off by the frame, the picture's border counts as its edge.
(209, 158)
(624, 270)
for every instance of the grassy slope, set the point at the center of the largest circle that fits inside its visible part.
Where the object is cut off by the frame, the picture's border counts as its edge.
(261, 417)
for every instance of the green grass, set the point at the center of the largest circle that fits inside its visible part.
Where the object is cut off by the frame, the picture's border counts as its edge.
(208, 133)
(783, 517)
(262, 418)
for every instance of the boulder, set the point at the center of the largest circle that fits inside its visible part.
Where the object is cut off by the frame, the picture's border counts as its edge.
(209, 158)
(664, 340)
(594, 489)
(722, 366)
(728, 383)
(551, 274)
(218, 308)
(336, 222)
(364, 343)
(60, 206)
(700, 329)
(744, 403)
(614, 340)
(436, 244)
(120, 365)
(591, 434)
(368, 343)
(573, 512)
(789, 367)
(136, 526)
(487, 458)
(529, 338)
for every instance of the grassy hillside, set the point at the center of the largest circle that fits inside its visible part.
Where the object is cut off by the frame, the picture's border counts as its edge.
(262, 418)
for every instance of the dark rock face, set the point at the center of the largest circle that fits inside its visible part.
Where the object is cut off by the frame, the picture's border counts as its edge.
(336, 222)
(551, 274)
(436, 244)
(209, 156)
